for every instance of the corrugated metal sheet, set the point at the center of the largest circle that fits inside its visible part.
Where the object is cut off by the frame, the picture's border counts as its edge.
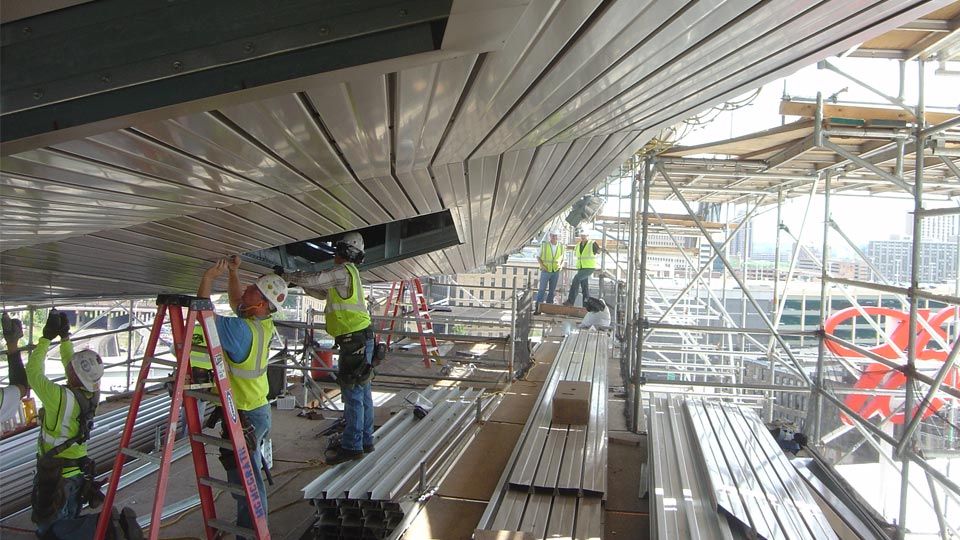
(555, 482)
(504, 138)
(716, 472)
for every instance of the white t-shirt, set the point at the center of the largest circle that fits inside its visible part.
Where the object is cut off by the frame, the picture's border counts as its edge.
(599, 320)
(9, 402)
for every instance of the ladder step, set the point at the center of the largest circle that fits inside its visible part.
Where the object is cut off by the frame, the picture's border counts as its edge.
(162, 362)
(222, 485)
(203, 396)
(199, 386)
(161, 380)
(136, 454)
(226, 526)
(215, 441)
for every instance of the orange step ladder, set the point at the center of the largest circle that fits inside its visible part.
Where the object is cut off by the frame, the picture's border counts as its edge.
(422, 315)
(199, 310)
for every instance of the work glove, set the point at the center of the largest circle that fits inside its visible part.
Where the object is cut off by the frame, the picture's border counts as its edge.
(12, 329)
(64, 327)
(54, 323)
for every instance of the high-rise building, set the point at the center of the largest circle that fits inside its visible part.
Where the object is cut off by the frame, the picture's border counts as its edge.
(937, 228)
(938, 260)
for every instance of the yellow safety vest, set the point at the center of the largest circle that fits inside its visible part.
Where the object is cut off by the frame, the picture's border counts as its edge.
(60, 416)
(347, 315)
(199, 356)
(586, 258)
(249, 378)
(550, 259)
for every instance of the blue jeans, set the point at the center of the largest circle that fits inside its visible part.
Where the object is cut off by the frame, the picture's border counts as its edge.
(545, 278)
(68, 523)
(358, 411)
(259, 418)
(582, 280)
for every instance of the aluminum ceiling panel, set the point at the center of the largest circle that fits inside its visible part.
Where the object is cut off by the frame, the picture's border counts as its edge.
(543, 30)
(513, 172)
(392, 196)
(426, 98)
(214, 139)
(771, 50)
(597, 54)
(286, 126)
(129, 150)
(357, 117)
(81, 173)
(419, 187)
(332, 209)
(536, 118)
(482, 181)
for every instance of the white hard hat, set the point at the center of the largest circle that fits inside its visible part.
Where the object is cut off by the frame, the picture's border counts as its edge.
(584, 232)
(554, 232)
(273, 288)
(352, 239)
(89, 369)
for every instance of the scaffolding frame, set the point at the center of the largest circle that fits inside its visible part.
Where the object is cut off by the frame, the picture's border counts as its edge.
(734, 182)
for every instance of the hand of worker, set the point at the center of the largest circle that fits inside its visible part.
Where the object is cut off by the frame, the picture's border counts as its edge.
(64, 327)
(12, 330)
(52, 328)
(217, 269)
(233, 263)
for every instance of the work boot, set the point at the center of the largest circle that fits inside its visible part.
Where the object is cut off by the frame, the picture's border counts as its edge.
(368, 449)
(340, 454)
(128, 524)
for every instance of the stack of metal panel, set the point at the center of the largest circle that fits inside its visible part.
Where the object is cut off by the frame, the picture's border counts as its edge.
(555, 483)
(20, 451)
(372, 497)
(716, 472)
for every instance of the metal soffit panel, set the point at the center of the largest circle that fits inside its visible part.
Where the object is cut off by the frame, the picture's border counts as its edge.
(554, 484)
(719, 474)
(504, 138)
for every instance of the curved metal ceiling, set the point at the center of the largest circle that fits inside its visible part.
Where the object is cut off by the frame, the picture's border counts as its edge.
(504, 138)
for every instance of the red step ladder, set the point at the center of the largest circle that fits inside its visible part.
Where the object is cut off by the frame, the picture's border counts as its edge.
(422, 314)
(187, 394)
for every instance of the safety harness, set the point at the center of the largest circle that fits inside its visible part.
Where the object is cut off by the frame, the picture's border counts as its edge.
(48, 488)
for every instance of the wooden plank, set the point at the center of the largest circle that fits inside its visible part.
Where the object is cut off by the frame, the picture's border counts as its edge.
(517, 402)
(831, 110)
(557, 309)
(476, 473)
(447, 519)
(750, 143)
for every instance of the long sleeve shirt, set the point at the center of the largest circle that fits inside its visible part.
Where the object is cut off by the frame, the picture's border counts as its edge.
(61, 412)
(317, 284)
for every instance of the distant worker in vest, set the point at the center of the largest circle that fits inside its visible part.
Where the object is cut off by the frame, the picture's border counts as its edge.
(246, 344)
(551, 262)
(11, 395)
(348, 321)
(64, 480)
(586, 252)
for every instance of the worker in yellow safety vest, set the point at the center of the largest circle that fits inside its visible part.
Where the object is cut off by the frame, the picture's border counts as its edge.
(586, 252)
(551, 262)
(245, 340)
(348, 321)
(65, 475)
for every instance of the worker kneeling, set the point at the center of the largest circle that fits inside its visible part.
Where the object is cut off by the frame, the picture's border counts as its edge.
(348, 321)
(64, 480)
(246, 343)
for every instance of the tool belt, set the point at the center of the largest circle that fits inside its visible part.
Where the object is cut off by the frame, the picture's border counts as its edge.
(353, 368)
(227, 459)
(49, 494)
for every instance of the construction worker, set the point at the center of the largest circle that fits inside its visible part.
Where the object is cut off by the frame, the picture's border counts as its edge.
(348, 322)
(586, 253)
(10, 396)
(551, 262)
(246, 344)
(64, 480)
